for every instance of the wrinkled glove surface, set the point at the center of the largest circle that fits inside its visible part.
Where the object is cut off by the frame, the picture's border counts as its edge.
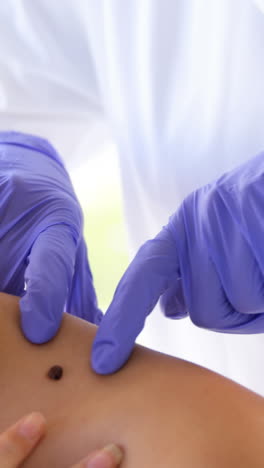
(41, 240)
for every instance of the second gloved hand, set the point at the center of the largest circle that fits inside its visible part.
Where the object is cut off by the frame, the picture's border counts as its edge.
(207, 263)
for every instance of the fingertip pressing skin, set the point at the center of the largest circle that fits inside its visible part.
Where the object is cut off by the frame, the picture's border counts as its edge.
(109, 457)
(32, 427)
(20, 439)
(107, 358)
(100, 360)
(36, 328)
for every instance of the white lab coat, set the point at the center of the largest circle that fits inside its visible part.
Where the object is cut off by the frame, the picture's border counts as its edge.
(179, 84)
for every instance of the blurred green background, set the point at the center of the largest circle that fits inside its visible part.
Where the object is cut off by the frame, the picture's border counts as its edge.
(98, 188)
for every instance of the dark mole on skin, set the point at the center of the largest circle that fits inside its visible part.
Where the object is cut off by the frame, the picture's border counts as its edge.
(55, 373)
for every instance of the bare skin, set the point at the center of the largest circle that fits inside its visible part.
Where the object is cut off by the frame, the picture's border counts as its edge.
(161, 410)
(19, 441)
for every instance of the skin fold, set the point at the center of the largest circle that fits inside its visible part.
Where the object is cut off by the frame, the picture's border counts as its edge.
(161, 410)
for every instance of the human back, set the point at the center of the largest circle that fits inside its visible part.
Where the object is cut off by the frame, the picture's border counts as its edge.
(163, 411)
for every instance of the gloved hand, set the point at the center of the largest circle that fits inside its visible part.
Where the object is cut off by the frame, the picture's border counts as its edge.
(41, 241)
(207, 263)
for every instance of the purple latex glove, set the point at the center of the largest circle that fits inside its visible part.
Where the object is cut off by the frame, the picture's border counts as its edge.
(207, 263)
(41, 242)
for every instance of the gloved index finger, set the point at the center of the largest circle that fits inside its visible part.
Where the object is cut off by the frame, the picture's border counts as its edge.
(152, 271)
(48, 277)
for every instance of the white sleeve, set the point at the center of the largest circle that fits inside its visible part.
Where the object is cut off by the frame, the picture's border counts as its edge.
(45, 59)
(182, 84)
(259, 4)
